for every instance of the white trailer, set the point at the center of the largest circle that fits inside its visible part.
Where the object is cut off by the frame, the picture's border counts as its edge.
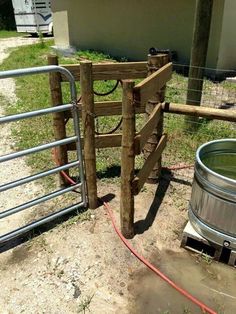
(33, 16)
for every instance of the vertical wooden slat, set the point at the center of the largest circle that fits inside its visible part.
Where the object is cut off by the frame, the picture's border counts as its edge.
(59, 126)
(127, 161)
(155, 62)
(86, 81)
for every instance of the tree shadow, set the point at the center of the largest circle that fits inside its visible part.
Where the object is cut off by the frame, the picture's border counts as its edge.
(109, 172)
(37, 231)
(143, 225)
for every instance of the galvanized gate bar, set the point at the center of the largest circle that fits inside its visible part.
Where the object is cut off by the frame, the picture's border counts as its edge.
(36, 113)
(38, 149)
(39, 222)
(39, 200)
(79, 162)
(37, 176)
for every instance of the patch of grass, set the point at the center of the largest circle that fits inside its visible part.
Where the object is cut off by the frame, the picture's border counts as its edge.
(9, 34)
(94, 56)
(33, 93)
(84, 304)
(183, 142)
(79, 217)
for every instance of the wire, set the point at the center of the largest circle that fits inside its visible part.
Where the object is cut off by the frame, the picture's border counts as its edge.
(109, 92)
(111, 131)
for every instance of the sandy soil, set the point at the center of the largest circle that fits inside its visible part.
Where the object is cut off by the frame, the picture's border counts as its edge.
(81, 265)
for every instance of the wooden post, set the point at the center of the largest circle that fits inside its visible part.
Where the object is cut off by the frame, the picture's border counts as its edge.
(59, 126)
(127, 161)
(86, 81)
(201, 33)
(155, 62)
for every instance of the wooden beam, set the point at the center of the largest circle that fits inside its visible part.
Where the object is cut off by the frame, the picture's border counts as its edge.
(101, 141)
(143, 174)
(155, 62)
(201, 34)
(127, 161)
(147, 130)
(86, 82)
(59, 126)
(152, 84)
(110, 70)
(218, 114)
(108, 108)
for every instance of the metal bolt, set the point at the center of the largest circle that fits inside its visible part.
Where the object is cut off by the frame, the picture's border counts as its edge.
(226, 243)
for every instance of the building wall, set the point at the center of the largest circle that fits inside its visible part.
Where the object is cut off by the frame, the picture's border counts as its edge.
(227, 49)
(129, 28)
(61, 23)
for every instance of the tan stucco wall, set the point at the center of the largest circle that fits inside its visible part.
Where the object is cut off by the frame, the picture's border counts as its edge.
(215, 33)
(130, 28)
(60, 24)
(227, 49)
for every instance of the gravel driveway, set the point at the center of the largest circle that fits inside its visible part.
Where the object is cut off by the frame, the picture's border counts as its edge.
(17, 168)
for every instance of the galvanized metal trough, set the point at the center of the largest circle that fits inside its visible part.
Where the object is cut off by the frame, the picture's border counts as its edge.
(212, 210)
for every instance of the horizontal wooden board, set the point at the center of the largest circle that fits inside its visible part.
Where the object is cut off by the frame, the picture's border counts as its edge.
(110, 70)
(101, 141)
(199, 111)
(143, 174)
(146, 89)
(108, 108)
(144, 134)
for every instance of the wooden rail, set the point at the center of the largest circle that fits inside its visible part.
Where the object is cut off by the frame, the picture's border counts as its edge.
(218, 114)
(143, 174)
(147, 130)
(108, 108)
(152, 84)
(110, 71)
(101, 141)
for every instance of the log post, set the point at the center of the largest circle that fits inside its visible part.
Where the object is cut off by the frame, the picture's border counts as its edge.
(86, 81)
(59, 127)
(201, 33)
(155, 62)
(127, 161)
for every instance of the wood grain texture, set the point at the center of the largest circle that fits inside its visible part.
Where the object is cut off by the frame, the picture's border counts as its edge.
(110, 71)
(101, 141)
(86, 81)
(146, 89)
(195, 111)
(155, 62)
(127, 161)
(147, 130)
(59, 127)
(108, 108)
(143, 174)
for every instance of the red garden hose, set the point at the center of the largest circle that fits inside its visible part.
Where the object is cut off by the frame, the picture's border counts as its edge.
(178, 167)
(202, 306)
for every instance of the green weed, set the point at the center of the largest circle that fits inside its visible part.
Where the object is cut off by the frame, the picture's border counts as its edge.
(33, 93)
(84, 304)
(9, 34)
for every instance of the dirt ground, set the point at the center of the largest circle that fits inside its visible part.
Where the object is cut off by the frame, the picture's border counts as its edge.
(81, 266)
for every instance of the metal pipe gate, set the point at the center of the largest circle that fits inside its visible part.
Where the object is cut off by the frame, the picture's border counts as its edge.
(76, 163)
